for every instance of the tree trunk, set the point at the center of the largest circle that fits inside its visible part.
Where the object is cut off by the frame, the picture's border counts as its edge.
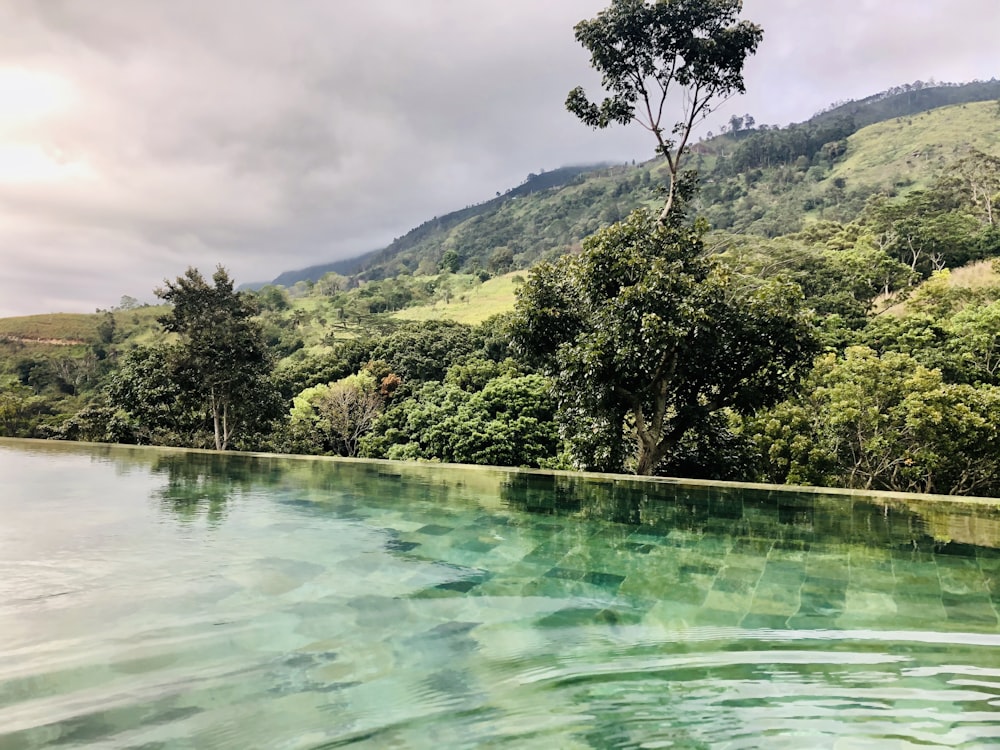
(226, 434)
(649, 457)
(215, 420)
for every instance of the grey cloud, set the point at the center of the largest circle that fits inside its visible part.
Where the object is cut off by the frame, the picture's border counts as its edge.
(267, 135)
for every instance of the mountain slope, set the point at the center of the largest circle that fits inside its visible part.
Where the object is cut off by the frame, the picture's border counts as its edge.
(767, 181)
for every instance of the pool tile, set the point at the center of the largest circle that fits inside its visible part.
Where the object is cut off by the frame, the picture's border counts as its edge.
(822, 597)
(686, 594)
(975, 609)
(566, 573)
(570, 617)
(727, 601)
(434, 529)
(708, 616)
(671, 615)
(869, 604)
(639, 548)
(398, 545)
(791, 547)
(967, 580)
(604, 580)
(810, 622)
(734, 586)
(772, 606)
(915, 606)
(478, 545)
(691, 571)
(752, 548)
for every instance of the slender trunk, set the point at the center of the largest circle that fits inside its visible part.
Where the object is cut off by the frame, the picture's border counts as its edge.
(215, 420)
(668, 206)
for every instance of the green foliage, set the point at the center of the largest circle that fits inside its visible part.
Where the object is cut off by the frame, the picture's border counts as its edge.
(839, 271)
(974, 341)
(293, 374)
(220, 367)
(20, 410)
(333, 418)
(641, 48)
(883, 422)
(646, 336)
(156, 392)
(450, 261)
(962, 341)
(926, 231)
(650, 53)
(274, 298)
(975, 181)
(509, 422)
(419, 352)
(660, 352)
(501, 260)
(97, 424)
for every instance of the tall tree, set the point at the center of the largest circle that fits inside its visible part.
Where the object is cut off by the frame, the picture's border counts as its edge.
(222, 351)
(926, 230)
(647, 336)
(643, 334)
(656, 55)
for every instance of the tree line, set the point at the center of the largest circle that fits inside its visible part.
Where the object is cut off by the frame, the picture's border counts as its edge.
(837, 354)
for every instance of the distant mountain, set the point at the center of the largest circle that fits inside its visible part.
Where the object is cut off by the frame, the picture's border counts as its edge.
(415, 238)
(347, 267)
(909, 99)
(762, 180)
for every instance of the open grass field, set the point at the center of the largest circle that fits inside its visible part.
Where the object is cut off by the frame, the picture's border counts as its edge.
(42, 332)
(976, 277)
(909, 150)
(473, 306)
(70, 328)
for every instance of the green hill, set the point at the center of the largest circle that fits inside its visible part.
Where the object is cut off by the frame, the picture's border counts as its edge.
(764, 180)
(805, 178)
(905, 150)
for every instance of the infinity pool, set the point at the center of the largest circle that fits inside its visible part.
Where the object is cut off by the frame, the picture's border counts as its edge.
(163, 599)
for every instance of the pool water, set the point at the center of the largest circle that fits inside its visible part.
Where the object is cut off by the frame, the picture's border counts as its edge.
(165, 599)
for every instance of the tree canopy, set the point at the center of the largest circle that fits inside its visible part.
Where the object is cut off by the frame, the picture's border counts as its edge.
(641, 332)
(646, 336)
(219, 366)
(656, 56)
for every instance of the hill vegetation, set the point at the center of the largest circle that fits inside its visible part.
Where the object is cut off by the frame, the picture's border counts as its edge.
(759, 179)
(888, 234)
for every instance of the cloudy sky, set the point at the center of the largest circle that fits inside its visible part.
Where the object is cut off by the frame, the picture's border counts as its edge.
(138, 137)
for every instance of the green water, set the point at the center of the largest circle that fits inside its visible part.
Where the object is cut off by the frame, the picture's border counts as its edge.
(153, 599)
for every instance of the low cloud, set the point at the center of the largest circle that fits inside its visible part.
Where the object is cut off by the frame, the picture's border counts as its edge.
(268, 136)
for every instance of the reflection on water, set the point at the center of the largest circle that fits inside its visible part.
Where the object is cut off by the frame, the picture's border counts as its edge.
(323, 604)
(955, 525)
(200, 484)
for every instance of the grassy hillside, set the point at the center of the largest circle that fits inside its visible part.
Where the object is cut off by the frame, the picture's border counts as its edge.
(550, 213)
(54, 329)
(492, 297)
(907, 150)
(531, 225)
(837, 182)
(896, 155)
(767, 181)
